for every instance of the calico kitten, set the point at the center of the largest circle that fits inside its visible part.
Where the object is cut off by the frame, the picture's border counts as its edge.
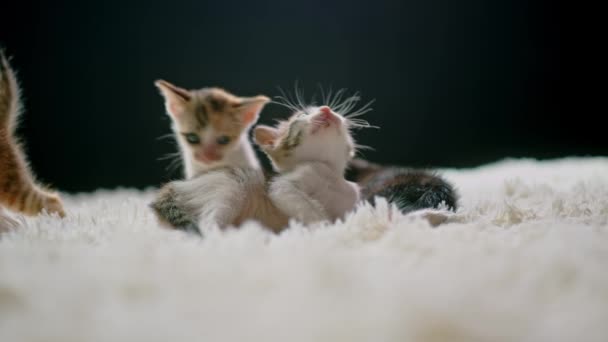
(409, 189)
(211, 126)
(18, 189)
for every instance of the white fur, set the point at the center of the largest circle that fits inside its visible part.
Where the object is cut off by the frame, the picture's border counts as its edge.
(241, 155)
(311, 186)
(217, 197)
(526, 262)
(313, 192)
(6, 221)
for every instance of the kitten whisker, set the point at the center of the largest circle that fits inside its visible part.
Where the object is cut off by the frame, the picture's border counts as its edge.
(284, 97)
(169, 156)
(361, 111)
(364, 109)
(286, 100)
(281, 101)
(358, 113)
(359, 147)
(329, 95)
(173, 165)
(175, 160)
(359, 123)
(337, 99)
(348, 104)
(323, 97)
(166, 136)
(299, 94)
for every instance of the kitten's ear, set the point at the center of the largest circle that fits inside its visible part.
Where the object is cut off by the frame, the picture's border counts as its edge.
(175, 97)
(249, 108)
(265, 136)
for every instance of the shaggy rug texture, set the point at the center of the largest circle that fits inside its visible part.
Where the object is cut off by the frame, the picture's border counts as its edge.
(525, 258)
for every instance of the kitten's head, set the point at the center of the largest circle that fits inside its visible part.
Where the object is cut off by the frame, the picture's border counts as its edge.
(209, 122)
(314, 134)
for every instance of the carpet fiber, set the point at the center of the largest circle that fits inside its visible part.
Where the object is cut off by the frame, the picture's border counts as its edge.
(524, 259)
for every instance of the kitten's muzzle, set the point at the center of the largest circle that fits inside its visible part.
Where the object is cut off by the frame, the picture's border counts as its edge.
(207, 154)
(325, 118)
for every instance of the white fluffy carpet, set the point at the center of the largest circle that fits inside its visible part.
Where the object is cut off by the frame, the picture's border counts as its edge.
(525, 259)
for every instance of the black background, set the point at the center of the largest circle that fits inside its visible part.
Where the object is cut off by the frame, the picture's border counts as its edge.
(457, 84)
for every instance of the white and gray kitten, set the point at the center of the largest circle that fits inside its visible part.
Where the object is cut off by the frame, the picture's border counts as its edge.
(310, 151)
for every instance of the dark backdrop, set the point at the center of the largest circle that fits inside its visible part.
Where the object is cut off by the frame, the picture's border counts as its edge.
(456, 84)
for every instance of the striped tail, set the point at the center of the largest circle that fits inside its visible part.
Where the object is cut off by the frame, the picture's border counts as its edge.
(18, 190)
(9, 97)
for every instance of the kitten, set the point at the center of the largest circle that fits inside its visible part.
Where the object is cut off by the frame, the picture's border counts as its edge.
(18, 189)
(211, 126)
(409, 189)
(310, 151)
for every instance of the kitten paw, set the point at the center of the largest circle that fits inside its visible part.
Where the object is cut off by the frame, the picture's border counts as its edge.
(53, 205)
(170, 212)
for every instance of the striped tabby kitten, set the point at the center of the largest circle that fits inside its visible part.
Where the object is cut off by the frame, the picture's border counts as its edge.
(18, 189)
(211, 126)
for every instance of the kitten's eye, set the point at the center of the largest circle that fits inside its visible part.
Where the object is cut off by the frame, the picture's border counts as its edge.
(192, 138)
(223, 140)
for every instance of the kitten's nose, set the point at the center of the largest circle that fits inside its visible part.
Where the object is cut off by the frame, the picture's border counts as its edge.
(328, 115)
(325, 110)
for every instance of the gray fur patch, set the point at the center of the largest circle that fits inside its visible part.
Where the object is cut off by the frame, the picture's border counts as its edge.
(168, 209)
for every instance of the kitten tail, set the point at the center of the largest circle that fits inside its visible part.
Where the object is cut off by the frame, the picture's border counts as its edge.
(9, 97)
(409, 189)
(18, 190)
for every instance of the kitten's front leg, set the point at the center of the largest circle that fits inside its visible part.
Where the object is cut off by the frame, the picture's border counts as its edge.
(188, 205)
(215, 197)
(295, 203)
(171, 210)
